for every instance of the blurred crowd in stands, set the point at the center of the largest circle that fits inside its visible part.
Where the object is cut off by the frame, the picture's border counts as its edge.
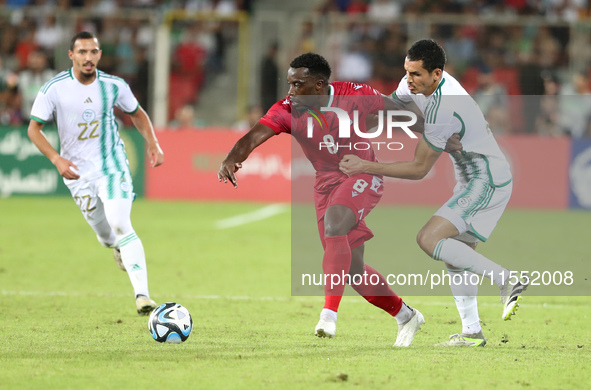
(384, 10)
(495, 62)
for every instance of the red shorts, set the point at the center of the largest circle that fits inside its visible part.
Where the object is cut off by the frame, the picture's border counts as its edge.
(360, 193)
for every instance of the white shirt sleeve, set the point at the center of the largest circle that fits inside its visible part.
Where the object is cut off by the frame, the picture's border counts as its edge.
(125, 99)
(447, 124)
(43, 106)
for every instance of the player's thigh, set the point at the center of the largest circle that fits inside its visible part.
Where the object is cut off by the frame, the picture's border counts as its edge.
(116, 193)
(86, 196)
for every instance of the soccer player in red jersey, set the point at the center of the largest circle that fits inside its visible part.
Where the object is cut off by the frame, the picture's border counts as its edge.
(342, 202)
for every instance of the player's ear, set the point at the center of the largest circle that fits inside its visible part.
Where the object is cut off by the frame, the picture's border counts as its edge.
(437, 74)
(319, 84)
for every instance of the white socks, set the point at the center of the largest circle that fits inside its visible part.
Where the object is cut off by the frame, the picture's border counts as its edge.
(404, 314)
(134, 260)
(461, 256)
(464, 293)
(328, 315)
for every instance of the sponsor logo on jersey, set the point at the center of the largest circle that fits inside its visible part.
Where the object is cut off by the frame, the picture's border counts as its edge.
(354, 193)
(88, 115)
(88, 100)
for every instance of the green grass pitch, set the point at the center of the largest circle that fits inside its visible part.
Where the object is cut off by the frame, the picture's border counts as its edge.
(68, 321)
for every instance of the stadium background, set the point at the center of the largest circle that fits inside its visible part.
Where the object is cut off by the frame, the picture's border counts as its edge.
(206, 70)
(67, 317)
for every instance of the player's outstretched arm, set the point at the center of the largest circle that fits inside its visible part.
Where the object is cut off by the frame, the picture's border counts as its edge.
(241, 150)
(425, 157)
(143, 124)
(64, 167)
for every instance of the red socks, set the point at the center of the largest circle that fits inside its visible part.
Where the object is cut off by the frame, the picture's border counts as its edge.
(335, 264)
(377, 292)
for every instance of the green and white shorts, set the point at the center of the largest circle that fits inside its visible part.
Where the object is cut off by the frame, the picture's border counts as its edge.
(475, 209)
(91, 194)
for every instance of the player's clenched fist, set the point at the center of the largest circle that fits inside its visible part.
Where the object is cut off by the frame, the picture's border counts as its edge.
(351, 165)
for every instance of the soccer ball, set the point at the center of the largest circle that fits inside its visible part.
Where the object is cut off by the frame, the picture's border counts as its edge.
(170, 323)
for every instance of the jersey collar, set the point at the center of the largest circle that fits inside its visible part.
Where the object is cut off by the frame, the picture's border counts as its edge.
(330, 95)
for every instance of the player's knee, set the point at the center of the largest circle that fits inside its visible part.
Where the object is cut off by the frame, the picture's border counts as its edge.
(121, 227)
(334, 229)
(426, 241)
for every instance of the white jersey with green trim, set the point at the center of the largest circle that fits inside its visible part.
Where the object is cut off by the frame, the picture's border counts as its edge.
(87, 128)
(451, 110)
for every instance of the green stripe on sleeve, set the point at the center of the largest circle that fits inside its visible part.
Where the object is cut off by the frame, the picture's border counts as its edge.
(431, 145)
(134, 111)
(38, 119)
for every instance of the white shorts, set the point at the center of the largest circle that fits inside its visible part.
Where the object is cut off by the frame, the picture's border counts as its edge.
(90, 194)
(475, 209)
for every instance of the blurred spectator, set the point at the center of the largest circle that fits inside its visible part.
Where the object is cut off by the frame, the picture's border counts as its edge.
(185, 118)
(357, 7)
(575, 106)
(49, 35)
(492, 100)
(125, 53)
(488, 93)
(547, 122)
(9, 98)
(384, 11)
(355, 65)
(252, 117)
(32, 79)
(388, 60)
(269, 77)
(460, 48)
(140, 83)
(190, 56)
(25, 46)
(306, 43)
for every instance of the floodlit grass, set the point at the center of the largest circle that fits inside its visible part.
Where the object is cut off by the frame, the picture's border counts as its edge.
(68, 315)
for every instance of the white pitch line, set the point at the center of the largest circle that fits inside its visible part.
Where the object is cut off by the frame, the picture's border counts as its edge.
(257, 215)
(414, 302)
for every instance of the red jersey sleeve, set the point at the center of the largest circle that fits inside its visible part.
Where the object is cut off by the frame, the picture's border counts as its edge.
(374, 99)
(278, 118)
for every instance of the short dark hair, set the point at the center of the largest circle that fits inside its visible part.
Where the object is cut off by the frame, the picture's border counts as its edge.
(82, 35)
(316, 64)
(428, 51)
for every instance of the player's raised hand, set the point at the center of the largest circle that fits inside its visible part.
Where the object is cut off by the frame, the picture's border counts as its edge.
(453, 144)
(226, 172)
(351, 165)
(156, 155)
(64, 167)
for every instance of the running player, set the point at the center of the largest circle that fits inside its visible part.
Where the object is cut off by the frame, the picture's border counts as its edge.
(93, 160)
(342, 203)
(484, 184)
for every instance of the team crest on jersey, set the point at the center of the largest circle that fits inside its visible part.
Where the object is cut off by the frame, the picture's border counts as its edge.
(464, 201)
(124, 185)
(88, 115)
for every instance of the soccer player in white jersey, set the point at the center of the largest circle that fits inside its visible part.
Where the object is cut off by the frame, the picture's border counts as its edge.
(483, 188)
(93, 160)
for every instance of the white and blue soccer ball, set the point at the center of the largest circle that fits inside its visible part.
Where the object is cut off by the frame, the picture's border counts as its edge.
(170, 323)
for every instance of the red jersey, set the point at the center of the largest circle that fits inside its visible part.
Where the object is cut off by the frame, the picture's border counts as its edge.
(324, 148)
